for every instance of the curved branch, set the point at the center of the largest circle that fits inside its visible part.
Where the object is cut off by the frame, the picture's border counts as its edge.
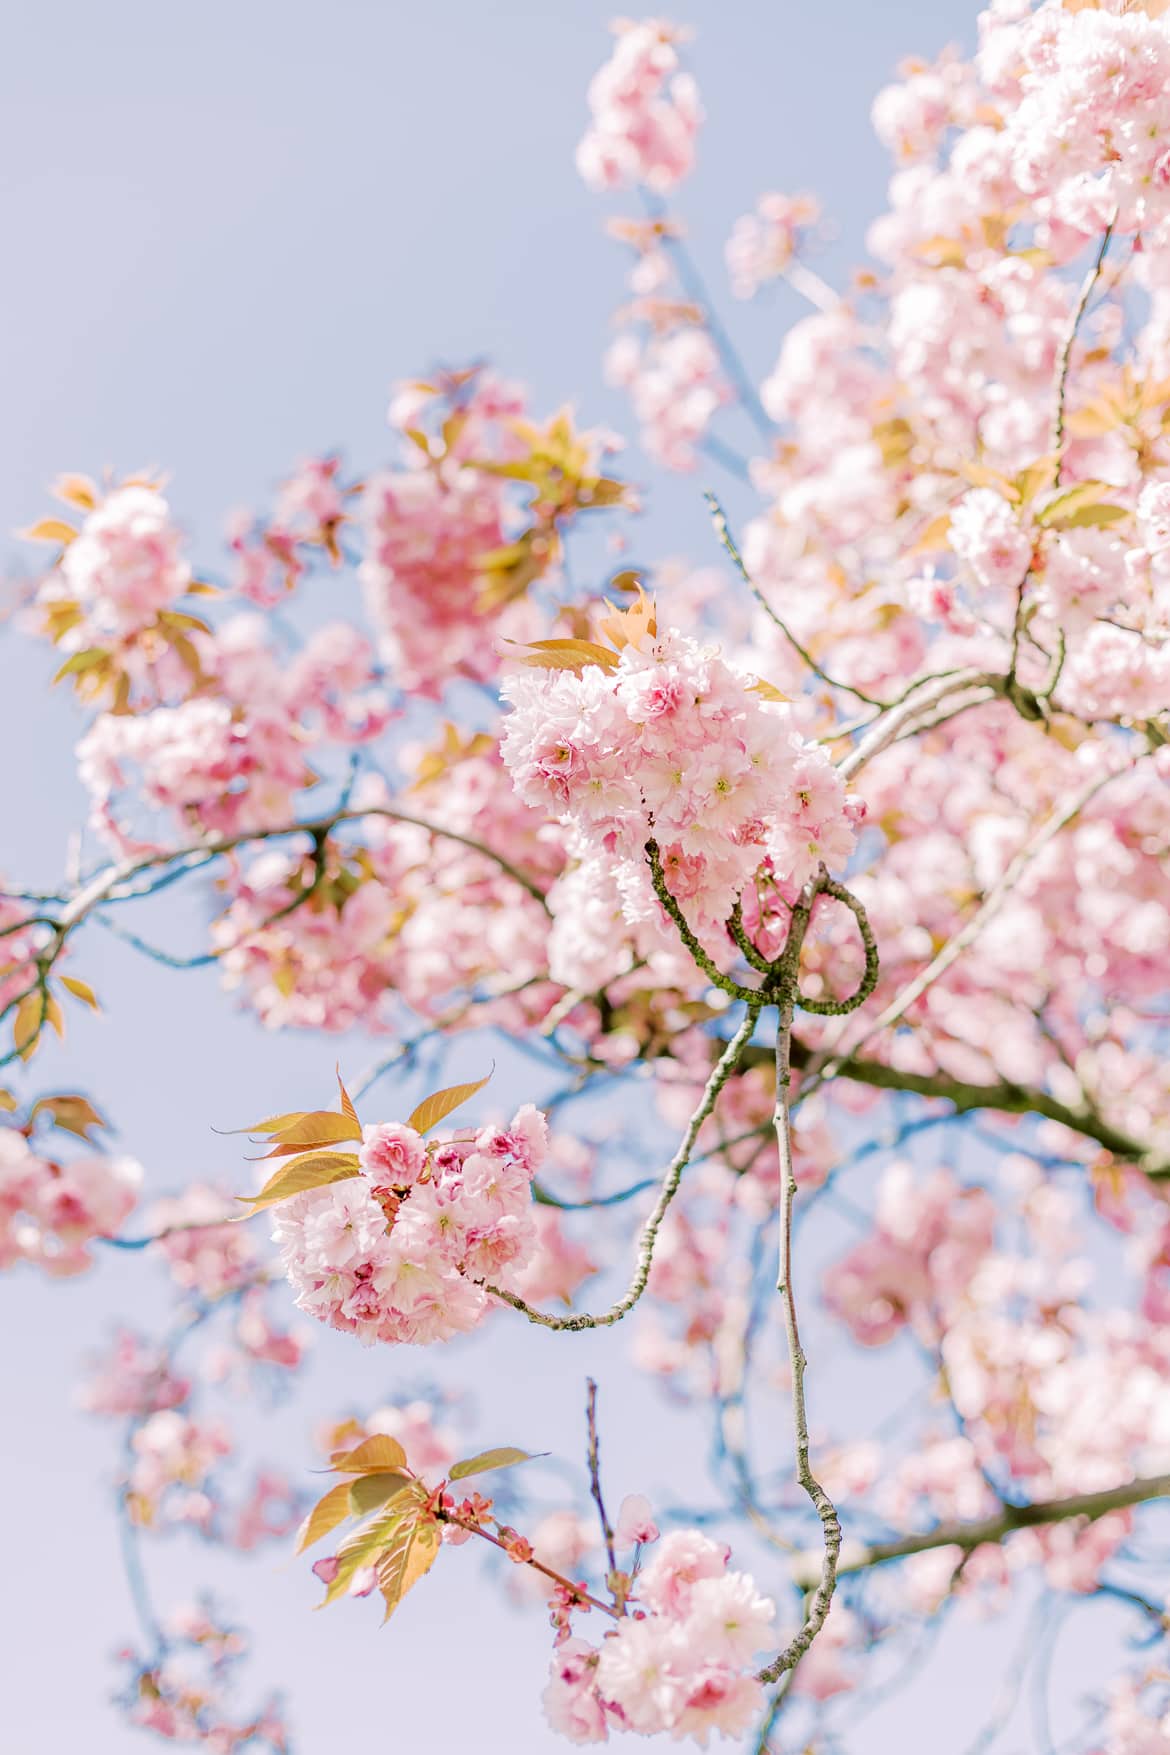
(720, 1073)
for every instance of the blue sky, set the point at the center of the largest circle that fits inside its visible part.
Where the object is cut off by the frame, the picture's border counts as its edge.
(228, 229)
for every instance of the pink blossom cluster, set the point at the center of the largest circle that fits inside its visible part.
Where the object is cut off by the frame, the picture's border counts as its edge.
(132, 1378)
(205, 1253)
(234, 760)
(764, 243)
(417, 919)
(427, 525)
(174, 1456)
(644, 112)
(1086, 95)
(676, 386)
(673, 742)
(928, 1241)
(402, 1252)
(1138, 1717)
(680, 1662)
(183, 1694)
(51, 1212)
(124, 566)
(309, 513)
(272, 1510)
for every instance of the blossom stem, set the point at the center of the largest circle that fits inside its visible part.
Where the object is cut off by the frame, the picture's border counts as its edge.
(566, 1584)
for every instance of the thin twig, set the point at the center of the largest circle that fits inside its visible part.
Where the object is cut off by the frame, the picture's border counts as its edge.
(720, 1073)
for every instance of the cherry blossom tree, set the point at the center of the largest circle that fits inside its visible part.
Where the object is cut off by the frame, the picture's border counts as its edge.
(815, 895)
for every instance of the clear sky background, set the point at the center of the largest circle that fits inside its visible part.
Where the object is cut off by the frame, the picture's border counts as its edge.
(227, 228)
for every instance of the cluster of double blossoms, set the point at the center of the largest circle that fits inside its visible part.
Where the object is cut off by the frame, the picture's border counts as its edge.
(670, 740)
(679, 1660)
(403, 1252)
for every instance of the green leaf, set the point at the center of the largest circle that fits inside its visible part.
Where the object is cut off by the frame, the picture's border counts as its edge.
(505, 1458)
(433, 1109)
(318, 1170)
(373, 1456)
(325, 1516)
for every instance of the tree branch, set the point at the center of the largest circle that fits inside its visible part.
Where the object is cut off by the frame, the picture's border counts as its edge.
(995, 1528)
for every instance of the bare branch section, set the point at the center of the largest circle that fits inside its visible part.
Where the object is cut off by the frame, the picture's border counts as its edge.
(1001, 1095)
(788, 995)
(721, 1072)
(995, 1528)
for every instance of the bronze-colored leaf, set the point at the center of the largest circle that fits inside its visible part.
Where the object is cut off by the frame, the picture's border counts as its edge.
(325, 1516)
(75, 490)
(413, 1550)
(81, 990)
(273, 1125)
(28, 1023)
(73, 1114)
(317, 1170)
(433, 1109)
(373, 1456)
(323, 1127)
(49, 530)
(347, 1107)
(574, 655)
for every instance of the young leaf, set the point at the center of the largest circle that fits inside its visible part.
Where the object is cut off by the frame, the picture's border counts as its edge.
(73, 1114)
(347, 1107)
(505, 1458)
(373, 1456)
(371, 1492)
(273, 1125)
(359, 1549)
(75, 490)
(1092, 516)
(325, 1516)
(413, 1550)
(7, 1102)
(80, 662)
(321, 1128)
(28, 1023)
(573, 655)
(318, 1170)
(433, 1109)
(1059, 506)
(81, 990)
(49, 530)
